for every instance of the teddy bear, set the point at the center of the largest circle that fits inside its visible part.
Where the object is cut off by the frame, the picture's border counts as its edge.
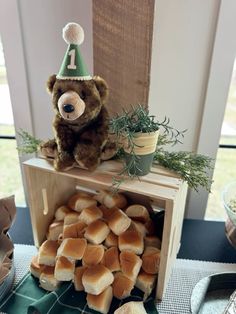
(81, 119)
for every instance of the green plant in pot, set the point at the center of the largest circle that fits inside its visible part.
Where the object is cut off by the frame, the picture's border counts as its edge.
(137, 135)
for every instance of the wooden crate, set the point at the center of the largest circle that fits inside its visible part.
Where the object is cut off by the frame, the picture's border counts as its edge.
(49, 189)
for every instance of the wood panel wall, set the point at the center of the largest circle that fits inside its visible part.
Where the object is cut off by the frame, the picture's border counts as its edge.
(122, 43)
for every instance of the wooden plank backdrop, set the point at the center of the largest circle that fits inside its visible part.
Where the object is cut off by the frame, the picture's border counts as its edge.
(122, 43)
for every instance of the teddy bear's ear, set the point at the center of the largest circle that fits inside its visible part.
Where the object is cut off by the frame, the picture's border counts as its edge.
(50, 83)
(101, 87)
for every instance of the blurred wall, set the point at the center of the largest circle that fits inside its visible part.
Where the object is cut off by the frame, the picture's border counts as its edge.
(42, 23)
(184, 33)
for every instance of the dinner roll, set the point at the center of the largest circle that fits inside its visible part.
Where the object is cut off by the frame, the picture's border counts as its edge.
(75, 230)
(93, 254)
(54, 230)
(150, 227)
(130, 264)
(71, 218)
(132, 307)
(80, 201)
(61, 212)
(47, 253)
(119, 222)
(115, 200)
(78, 278)
(145, 282)
(122, 286)
(140, 227)
(90, 214)
(35, 268)
(96, 279)
(151, 260)
(131, 240)
(47, 279)
(100, 302)
(111, 240)
(138, 212)
(111, 259)
(64, 269)
(97, 232)
(152, 241)
(107, 212)
(72, 248)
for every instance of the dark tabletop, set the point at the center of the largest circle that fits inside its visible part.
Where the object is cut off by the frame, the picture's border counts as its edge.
(201, 240)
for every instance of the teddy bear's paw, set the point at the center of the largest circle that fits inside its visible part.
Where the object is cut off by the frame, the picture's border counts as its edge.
(49, 148)
(63, 162)
(87, 158)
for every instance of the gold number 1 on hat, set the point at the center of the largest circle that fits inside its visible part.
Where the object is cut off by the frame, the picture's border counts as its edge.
(72, 60)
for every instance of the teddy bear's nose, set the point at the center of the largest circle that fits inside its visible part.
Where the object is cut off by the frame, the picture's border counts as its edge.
(68, 108)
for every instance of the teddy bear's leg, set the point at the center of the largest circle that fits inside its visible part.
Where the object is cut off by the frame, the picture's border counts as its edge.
(87, 155)
(63, 161)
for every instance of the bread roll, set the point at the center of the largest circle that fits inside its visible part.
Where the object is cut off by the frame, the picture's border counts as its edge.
(107, 212)
(150, 227)
(119, 222)
(115, 200)
(100, 196)
(97, 232)
(72, 248)
(130, 264)
(80, 201)
(88, 215)
(35, 268)
(75, 230)
(138, 212)
(54, 230)
(151, 260)
(78, 278)
(93, 254)
(111, 240)
(131, 240)
(146, 282)
(132, 307)
(96, 279)
(122, 286)
(47, 253)
(111, 259)
(140, 227)
(71, 218)
(47, 279)
(61, 212)
(100, 302)
(64, 269)
(152, 241)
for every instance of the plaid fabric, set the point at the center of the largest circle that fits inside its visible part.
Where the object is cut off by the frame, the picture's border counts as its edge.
(28, 297)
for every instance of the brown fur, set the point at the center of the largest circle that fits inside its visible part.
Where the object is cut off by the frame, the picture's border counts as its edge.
(83, 139)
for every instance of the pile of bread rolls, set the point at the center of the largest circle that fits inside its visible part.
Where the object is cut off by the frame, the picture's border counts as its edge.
(103, 245)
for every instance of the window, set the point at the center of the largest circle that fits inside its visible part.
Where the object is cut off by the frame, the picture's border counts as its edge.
(11, 180)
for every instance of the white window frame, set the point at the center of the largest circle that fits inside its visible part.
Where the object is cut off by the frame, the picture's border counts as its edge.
(222, 62)
(11, 36)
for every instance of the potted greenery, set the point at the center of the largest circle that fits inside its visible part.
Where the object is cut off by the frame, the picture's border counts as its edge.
(137, 134)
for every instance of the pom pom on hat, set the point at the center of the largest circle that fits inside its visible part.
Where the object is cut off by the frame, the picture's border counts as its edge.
(73, 33)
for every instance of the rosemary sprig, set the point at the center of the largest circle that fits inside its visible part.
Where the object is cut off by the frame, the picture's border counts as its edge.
(192, 168)
(29, 144)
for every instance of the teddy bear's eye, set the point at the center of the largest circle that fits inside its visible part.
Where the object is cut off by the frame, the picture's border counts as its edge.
(82, 95)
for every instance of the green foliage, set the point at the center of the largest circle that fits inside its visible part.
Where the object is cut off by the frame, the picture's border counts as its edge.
(139, 120)
(192, 168)
(29, 144)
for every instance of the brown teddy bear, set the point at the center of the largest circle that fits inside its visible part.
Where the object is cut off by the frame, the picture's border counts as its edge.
(81, 121)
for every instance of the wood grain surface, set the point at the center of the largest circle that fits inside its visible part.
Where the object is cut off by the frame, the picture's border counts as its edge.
(122, 43)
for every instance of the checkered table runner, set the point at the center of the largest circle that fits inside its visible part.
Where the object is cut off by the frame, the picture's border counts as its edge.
(185, 275)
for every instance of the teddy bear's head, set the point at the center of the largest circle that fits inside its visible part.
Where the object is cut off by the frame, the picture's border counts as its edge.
(75, 100)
